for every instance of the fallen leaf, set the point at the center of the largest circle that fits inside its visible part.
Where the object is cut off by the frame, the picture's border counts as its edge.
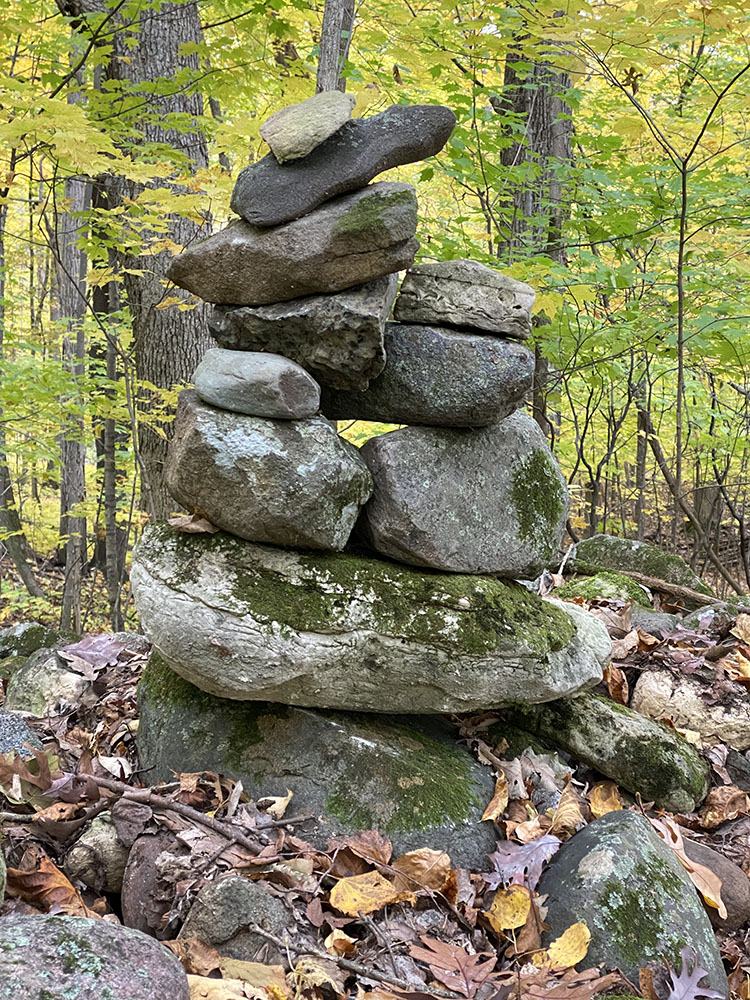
(423, 868)
(723, 803)
(309, 971)
(255, 974)
(687, 986)
(617, 684)
(192, 524)
(604, 798)
(339, 943)
(509, 908)
(570, 948)
(623, 648)
(454, 967)
(499, 800)
(45, 886)
(741, 627)
(704, 879)
(277, 804)
(202, 988)
(366, 893)
(521, 863)
(570, 814)
(197, 957)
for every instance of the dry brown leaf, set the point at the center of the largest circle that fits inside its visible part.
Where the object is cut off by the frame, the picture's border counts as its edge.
(617, 684)
(723, 803)
(339, 943)
(453, 966)
(309, 971)
(570, 947)
(192, 524)
(366, 893)
(255, 973)
(604, 798)
(371, 845)
(499, 800)
(646, 984)
(277, 804)
(510, 908)
(571, 812)
(197, 957)
(742, 627)
(623, 648)
(202, 988)
(705, 881)
(423, 868)
(45, 886)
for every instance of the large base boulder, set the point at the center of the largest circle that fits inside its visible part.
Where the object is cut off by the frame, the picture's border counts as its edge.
(289, 482)
(349, 240)
(627, 886)
(253, 622)
(491, 500)
(440, 377)
(406, 777)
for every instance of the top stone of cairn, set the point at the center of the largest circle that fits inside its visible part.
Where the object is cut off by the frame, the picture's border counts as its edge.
(268, 193)
(465, 293)
(297, 129)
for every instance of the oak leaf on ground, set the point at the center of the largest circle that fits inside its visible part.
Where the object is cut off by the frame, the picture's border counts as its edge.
(454, 967)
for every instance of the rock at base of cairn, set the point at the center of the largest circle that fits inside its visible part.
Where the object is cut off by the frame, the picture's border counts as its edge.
(338, 338)
(406, 777)
(465, 293)
(348, 632)
(345, 242)
(491, 500)
(255, 383)
(441, 378)
(288, 482)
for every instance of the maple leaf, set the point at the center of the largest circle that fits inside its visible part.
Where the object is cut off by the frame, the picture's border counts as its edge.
(521, 863)
(687, 986)
(454, 967)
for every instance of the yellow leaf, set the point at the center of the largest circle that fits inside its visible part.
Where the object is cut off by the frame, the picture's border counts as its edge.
(425, 867)
(202, 988)
(629, 126)
(499, 801)
(338, 943)
(171, 300)
(278, 803)
(366, 894)
(570, 947)
(604, 798)
(510, 908)
(255, 973)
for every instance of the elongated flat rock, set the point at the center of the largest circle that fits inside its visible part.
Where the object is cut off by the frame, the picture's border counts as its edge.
(296, 130)
(466, 293)
(261, 385)
(440, 377)
(490, 500)
(288, 482)
(269, 194)
(346, 242)
(338, 338)
(252, 622)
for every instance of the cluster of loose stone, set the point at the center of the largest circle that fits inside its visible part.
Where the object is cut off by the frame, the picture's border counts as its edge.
(303, 286)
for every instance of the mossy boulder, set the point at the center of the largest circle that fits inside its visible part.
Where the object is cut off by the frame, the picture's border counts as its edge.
(604, 586)
(643, 756)
(608, 552)
(405, 776)
(627, 886)
(248, 621)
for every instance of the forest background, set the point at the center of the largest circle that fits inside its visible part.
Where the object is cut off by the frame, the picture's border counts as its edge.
(602, 154)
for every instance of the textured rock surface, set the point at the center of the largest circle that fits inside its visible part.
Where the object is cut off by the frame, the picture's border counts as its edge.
(467, 294)
(146, 896)
(289, 482)
(643, 756)
(619, 878)
(406, 777)
(45, 685)
(338, 338)
(267, 194)
(27, 637)
(470, 501)
(261, 385)
(47, 957)
(605, 586)
(654, 622)
(222, 911)
(735, 885)
(14, 733)
(250, 621)
(3, 878)
(296, 130)
(610, 552)
(688, 702)
(441, 378)
(346, 242)
(98, 858)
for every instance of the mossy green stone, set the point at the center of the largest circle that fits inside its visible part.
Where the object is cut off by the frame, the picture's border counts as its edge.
(606, 586)
(538, 497)
(367, 215)
(608, 552)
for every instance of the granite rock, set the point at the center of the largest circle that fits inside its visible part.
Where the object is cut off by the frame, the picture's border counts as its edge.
(297, 129)
(259, 384)
(269, 194)
(15, 734)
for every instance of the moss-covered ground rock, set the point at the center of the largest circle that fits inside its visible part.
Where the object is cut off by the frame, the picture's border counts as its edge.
(641, 755)
(247, 621)
(46, 957)
(627, 886)
(405, 776)
(609, 552)
(604, 586)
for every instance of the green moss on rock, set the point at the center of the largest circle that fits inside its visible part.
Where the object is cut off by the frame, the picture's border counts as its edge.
(367, 214)
(609, 552)
(604, 586)
(539, 499)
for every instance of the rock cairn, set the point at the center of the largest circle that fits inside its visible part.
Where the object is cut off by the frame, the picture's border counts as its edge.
(418, 615)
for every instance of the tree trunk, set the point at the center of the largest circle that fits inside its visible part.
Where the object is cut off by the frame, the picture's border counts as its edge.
(335, 39)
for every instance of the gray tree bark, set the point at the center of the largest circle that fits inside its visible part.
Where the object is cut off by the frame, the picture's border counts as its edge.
(335, 39)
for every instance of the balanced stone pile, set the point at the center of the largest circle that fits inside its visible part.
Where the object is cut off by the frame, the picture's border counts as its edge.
(272, 609)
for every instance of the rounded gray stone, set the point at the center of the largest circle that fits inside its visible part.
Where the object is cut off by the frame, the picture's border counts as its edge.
(259, 384)
(440, 378)
(297, 129)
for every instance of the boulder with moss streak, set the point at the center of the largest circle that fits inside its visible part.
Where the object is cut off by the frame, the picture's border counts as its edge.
(249, 621)
(405, 776)
(643, 756)
(609, 552)
(605, 586)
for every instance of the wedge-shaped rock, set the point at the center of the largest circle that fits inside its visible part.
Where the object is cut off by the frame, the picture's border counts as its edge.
(343, 631)
(289, 482)
(440, 377)
(296, 130)
(267, 194)
(346, 242)
(261, 385)
(337, 338)
(405, 776)
(470, 501)
(467, 294)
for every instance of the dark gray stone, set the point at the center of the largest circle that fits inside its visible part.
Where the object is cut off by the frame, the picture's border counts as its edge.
(441, 378)
(338, 338)
(619, 878)
(465, 293)
(297, 129)
(654, 622)
(146, 896)
(469, 501)
(261, 385)
(45, 957)
(738, 768)
(629, 555)
(288, 482)
(346, 242)
(735, 885)
(14, 733)
(406, 777)
(344, 631)
(267, 194)
(223, 912)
